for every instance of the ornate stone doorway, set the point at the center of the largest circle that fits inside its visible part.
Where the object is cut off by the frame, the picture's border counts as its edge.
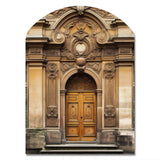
(81, 108)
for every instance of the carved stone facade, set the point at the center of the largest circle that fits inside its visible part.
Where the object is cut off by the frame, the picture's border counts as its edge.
(80, 76)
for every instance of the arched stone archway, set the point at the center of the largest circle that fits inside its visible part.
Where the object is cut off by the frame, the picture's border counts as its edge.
(65, 78)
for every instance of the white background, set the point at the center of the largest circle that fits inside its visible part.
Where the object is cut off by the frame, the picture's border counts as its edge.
(18, 16)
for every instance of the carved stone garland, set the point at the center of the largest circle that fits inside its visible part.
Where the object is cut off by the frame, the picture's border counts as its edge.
(109, 70)
(52, 70)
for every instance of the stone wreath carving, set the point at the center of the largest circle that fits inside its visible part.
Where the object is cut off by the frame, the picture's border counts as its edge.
(109, 70)
(52, 111)
(52, 70)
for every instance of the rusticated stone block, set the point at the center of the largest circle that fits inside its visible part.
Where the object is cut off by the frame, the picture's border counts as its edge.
(53, 137)
(108, 138)
(35, 139)
(125, 142)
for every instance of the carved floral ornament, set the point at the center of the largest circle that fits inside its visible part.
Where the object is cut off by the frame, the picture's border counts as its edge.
(52, 111)
(109, 70)
(52, 70)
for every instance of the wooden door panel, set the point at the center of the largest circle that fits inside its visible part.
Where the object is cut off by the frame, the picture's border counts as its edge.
(80, 117)
(88, 112)
(73, 112)
(89, 131)
(72, 131)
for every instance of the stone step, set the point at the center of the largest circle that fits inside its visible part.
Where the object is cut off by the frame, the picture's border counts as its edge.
(111, 151)
(79, 148)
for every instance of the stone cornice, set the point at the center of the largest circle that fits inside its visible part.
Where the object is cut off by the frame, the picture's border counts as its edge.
(123, 39)
(37, 40)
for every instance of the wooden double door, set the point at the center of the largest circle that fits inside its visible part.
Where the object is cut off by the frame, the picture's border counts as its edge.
(81, 116)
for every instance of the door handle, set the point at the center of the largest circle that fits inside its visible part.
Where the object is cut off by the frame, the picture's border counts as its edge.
(81, 117)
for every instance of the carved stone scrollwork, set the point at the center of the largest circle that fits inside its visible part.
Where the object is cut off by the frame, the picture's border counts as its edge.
(109, 70)
(95, 66)
(59, 37)
(66, 52)
(52, 111)
(52, 70)
(102, 37)
(109, 116)
(66, 66)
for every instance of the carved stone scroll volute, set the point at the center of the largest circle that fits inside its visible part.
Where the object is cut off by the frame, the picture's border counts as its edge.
(109, 116)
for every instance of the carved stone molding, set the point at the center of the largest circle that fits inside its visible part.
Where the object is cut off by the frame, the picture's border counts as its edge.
(95, 66)
(52, 70)
(35, 50)
(109, 70)
(66, 66)
(103, 13)
(100, 12)
(52, 111)
(125, 50)
(109, 116)
(59, 13)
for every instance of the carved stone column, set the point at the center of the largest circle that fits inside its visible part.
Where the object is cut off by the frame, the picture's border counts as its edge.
(99, 114)
(62, 115)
